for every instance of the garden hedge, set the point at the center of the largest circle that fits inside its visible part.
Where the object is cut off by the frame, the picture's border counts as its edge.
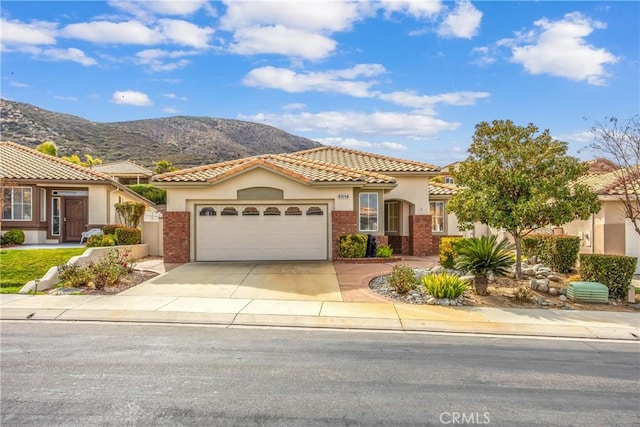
(352, 245)
(447, 249)
(615, 271)
(559, 252)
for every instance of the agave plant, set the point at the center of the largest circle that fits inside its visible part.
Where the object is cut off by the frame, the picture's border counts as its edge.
(483, 255)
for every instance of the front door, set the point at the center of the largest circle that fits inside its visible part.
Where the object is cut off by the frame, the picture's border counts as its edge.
(74, 218)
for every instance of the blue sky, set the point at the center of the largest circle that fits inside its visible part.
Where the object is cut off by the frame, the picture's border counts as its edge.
(403, 78)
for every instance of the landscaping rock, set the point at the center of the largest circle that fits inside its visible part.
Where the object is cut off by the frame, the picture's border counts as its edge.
(554, 278)
(468, 279)
(543, 270)
(542, 288)
(431, 301)
(437, 269)
(533, 284)
(563, 291)
(528, 271)
(553, 291)
(537, 267)
(563, 298)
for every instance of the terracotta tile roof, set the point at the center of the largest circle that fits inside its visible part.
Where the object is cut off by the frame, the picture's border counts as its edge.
(122, 168)
(297, 167)
(438, 189)
(613, 183)
(601, 165)
(20, 162)
(364, 161)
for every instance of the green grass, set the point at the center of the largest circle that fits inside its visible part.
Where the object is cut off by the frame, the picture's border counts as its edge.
(17, 267)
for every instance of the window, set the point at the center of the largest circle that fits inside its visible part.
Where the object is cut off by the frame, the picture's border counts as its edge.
(250, 211)
(392, 217)
(315, 210)
(208, 211)
(43, 205)
(368, 211)
(16, 204)
(229, 211)
(55, 216)
(437, 216)
(271, 211)
(293, 211)
(449, 180)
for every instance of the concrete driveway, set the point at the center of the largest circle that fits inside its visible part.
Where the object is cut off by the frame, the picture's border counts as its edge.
(301, 281)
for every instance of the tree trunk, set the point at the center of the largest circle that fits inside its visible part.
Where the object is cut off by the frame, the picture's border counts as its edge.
(516, 238)
(480, 282)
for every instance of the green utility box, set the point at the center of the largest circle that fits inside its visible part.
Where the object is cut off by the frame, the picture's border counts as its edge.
(588, 292)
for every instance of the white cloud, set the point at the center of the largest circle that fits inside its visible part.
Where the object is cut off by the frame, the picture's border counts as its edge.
(174, 96)
(68, 54)
(163, 60)
(185, 33)
(19, 84)
(318, 16)
(131, 97)
(410, 99)
(393, 146)
(360, 144)
(338, 81)
(283, 41)
(143, 9)
(349, 122)
(104, 32)
(463, 22)
(170, 110)
(19, 33)
(559, 48)
(417, 9)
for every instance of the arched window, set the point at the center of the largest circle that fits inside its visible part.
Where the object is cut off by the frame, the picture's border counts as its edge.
(315, 210)
(271, 210)
(208, 211)
(293, 210)
(250, 211)
(229, 211)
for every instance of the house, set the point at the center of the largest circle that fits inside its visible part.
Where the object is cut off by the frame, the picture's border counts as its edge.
(295, 206)
(608, 231)
(53, 200)
(125, 172)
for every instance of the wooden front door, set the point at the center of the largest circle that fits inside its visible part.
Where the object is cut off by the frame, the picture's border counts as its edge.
(74, 218)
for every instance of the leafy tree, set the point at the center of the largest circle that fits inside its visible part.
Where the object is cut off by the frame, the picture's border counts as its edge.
(48, 147)
(164, 166)
(519, 180)
(89, 160)
(149, 192)
(619, 141)
(130, 212)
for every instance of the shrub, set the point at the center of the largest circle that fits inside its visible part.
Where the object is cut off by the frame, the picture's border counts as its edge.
(559, 252)
(13, 237)
(150, 192)
(444, 285)
(111, 228)
(522, 294)
(128, 236)
(615, 271)
(130, 212)
(108, 270)
(483, 255)
(73, 275)
(100, 240)
(352, 245)
(403, 279)
(448, 250)
(384, 251)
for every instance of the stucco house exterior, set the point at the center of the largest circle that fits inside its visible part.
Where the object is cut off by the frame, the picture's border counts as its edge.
(295, 206)
(53, 200)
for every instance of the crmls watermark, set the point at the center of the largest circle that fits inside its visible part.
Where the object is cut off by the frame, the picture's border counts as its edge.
(465, 418)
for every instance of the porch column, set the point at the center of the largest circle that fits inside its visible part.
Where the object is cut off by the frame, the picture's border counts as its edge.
(420, 235)
(175, 236)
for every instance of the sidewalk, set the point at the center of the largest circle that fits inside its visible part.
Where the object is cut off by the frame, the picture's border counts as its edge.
(360, 309)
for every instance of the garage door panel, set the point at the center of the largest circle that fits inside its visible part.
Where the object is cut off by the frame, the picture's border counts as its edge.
(262, 237)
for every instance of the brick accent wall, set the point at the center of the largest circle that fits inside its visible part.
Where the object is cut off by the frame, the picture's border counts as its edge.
(175, 235)
(382, 240)
(420, 235)
(342, 222)
(400, 244)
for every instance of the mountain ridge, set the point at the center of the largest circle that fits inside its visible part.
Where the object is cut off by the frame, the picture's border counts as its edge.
(185, 141)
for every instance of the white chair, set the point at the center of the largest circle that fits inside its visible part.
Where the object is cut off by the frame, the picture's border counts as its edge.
(89, 233)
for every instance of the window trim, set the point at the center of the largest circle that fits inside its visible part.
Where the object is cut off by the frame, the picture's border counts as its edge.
(12, 204)
(432, 211)
(388, 217)
(377, 218)
(55, 202)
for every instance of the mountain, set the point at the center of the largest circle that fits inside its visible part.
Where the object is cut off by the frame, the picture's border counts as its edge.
(184, 141)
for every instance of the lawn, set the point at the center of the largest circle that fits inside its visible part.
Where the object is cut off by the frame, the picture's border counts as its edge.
(17, 267)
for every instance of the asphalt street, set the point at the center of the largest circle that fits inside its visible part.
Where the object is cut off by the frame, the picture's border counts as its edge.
(83, 374)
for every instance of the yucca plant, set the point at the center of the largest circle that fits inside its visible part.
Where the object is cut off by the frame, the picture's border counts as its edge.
(483, 255)
(444, 285)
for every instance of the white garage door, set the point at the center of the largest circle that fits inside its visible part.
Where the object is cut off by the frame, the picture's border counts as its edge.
(261, 232)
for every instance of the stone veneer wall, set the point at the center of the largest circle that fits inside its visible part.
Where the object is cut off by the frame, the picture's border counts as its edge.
(420, 235)
(175, 236)
(342, 222)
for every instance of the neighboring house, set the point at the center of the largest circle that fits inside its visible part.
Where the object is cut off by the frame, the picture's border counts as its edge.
(125, 172)
(295, 206)
(445, 175)
(53, 200)
(608, 231)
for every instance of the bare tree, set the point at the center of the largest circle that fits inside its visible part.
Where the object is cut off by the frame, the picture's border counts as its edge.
(619, 141)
